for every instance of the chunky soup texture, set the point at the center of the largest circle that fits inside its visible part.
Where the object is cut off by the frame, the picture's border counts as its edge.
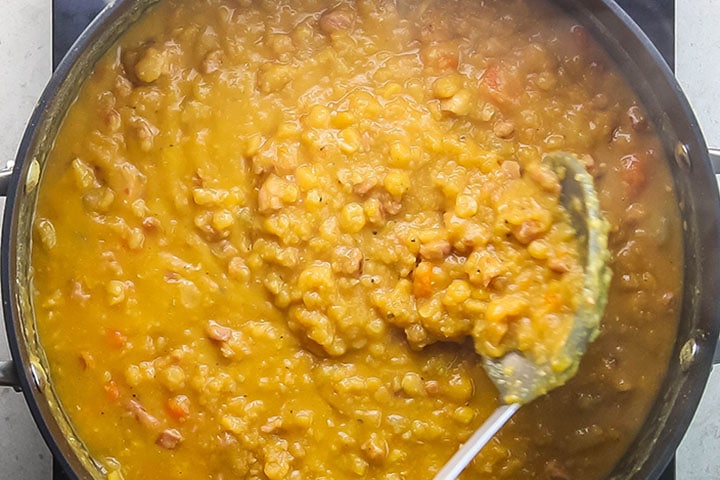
(273, 240)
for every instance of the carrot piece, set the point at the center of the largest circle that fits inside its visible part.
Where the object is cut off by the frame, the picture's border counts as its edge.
(422, 280)
(633, 173)
(112, 390)
(501, 87)
(491, 77)
(116, 338)
(440, 56)
(178, 407)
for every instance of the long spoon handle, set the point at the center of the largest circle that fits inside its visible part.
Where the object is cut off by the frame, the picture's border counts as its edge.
(482, 435)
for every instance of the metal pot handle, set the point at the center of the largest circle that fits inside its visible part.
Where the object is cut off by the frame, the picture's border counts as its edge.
(715, 159)
(8, 373)
(5, 175)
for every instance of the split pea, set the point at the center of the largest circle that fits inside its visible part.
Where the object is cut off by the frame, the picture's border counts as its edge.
(352, 218)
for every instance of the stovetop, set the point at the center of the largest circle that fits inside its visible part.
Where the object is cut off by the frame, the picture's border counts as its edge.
(655, 17)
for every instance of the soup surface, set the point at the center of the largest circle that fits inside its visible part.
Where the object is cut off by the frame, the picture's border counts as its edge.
(273, 239)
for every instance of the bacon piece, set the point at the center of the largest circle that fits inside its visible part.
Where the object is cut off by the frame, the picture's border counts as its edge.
(336, 20)
(169, 438)
(217, 332)
(436, 250)
(146, 419)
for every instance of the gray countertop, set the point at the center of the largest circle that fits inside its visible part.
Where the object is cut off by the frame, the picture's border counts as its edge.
(697, 66)
(25, 66)
(25, 59)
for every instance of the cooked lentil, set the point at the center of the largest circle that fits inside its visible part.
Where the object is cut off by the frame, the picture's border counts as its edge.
(272, 236)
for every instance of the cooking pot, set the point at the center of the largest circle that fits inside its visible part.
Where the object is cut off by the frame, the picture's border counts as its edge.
(643, 67)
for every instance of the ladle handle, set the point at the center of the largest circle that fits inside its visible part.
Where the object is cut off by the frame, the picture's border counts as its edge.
(482, 435)
(5, 175)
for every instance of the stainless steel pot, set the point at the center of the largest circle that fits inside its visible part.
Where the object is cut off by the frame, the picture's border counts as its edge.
(644, 68)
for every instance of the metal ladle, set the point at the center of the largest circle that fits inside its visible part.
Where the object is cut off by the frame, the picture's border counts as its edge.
(519, 379)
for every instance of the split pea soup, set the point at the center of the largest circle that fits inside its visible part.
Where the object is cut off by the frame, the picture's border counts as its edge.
(273, 240)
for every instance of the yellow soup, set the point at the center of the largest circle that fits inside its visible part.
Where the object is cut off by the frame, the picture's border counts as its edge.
(274, 239)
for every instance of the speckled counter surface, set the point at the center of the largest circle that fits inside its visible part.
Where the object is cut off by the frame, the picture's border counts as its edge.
(697, 66)
(25, 66)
